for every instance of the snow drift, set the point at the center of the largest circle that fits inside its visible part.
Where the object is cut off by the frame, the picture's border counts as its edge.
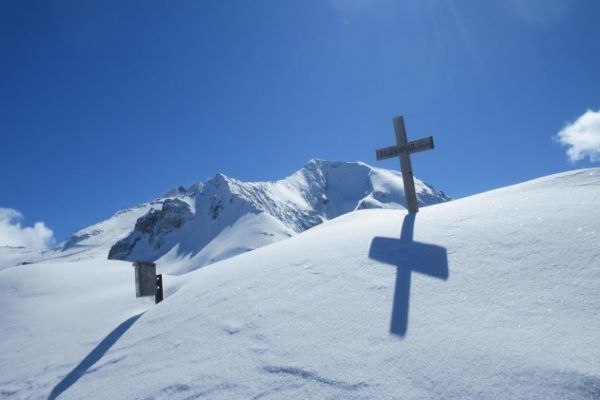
(494, 296)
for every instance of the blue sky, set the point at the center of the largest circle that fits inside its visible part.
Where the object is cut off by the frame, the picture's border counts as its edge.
(108, 104)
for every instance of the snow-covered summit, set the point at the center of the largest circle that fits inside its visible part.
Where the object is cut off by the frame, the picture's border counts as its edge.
(189, 227)
(223, 217)
(192, 226)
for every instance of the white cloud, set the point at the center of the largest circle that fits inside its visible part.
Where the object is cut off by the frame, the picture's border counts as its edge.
(38, 236)
(582, 137)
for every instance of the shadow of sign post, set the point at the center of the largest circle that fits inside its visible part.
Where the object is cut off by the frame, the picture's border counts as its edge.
(408, 256)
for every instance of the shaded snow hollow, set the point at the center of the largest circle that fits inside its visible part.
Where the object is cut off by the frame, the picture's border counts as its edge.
(494, 296)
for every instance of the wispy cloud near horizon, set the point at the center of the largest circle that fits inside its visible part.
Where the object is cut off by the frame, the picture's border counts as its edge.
(582, 137)
(39, 236)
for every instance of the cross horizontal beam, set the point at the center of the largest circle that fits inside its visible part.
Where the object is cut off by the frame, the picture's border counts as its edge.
(414, 146)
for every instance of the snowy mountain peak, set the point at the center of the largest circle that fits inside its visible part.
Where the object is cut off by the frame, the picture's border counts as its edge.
(223, 216)
(178, 191)
(220, 179)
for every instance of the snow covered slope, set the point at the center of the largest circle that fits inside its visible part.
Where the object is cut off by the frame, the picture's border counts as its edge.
(88, 243)
(494, 296)
(97, 239)
(11, 256)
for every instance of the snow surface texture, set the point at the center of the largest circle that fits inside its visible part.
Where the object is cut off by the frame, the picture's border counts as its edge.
(15, 255)
(494, 296)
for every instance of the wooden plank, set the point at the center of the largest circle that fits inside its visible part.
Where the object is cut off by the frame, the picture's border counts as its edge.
(414, 146)
(406, 166)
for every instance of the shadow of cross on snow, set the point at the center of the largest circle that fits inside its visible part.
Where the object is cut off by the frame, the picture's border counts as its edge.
(408, 256)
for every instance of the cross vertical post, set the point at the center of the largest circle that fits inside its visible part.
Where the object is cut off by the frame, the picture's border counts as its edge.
(406, 167)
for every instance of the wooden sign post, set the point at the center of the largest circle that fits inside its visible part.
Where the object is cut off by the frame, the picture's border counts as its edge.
(147, 283)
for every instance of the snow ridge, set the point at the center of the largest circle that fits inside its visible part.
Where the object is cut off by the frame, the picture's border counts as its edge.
(223, 216)
(209, 221)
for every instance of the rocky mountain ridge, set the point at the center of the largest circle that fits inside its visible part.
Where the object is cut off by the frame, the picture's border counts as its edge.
(222, 217)
(189, 227)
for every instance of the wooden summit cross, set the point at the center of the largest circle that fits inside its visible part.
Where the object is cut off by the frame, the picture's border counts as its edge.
(404, 148)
